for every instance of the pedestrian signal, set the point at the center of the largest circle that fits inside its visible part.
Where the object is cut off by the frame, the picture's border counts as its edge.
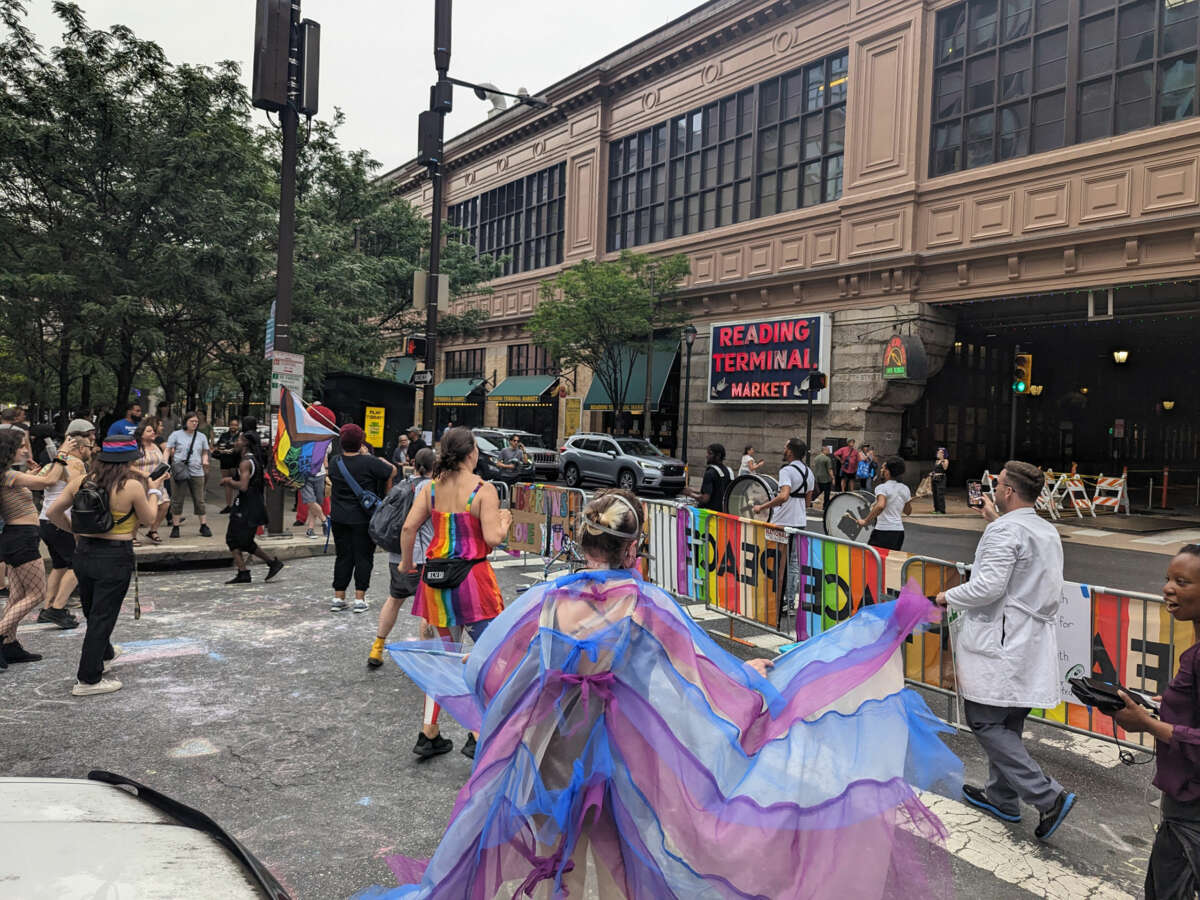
(1022, 369)
(817, 381)
(415, 346)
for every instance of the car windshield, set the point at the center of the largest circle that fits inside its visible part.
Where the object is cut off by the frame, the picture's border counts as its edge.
(484, 445)
(638, 447)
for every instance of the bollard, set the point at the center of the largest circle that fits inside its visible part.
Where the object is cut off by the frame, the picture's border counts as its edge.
(1150, 497)
(1166, 470)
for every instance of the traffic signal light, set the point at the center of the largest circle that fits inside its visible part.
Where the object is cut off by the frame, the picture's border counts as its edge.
(1022, 373)
(817, 381)
(415, 346)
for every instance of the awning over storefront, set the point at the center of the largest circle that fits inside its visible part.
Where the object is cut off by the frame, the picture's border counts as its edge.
(459, 392)
(523, 390)
(400, 368)
(660, 367)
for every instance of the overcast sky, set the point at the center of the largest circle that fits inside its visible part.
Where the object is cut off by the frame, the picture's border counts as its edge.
(377, 55)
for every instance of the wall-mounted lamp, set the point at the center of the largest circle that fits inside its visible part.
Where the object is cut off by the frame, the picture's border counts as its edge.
(1035, 390)
(1083, 391)
(1168, 405)
(1120, 357)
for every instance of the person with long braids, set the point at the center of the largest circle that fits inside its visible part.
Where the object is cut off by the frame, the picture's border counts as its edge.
(612, 726)
(467, 523)
(103, 562)
(19, 548)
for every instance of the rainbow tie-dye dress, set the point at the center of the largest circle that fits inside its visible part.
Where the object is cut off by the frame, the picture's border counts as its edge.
(459, 536)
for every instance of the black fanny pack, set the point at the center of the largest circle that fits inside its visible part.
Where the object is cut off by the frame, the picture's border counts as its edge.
(447, 574)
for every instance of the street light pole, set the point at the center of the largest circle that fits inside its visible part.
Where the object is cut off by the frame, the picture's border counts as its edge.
(689, 337)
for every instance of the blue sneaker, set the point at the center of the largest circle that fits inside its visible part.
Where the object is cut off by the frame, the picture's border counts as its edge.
(978, 797)
(1053, 817)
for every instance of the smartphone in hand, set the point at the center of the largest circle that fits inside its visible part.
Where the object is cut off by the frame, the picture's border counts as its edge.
(975, 494)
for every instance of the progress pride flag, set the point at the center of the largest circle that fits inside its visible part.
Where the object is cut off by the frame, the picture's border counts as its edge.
(768, 359)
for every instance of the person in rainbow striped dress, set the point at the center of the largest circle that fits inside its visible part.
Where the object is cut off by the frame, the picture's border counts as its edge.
(467, 523)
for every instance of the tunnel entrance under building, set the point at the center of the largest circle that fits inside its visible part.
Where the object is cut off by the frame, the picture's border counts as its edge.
(1105, 392)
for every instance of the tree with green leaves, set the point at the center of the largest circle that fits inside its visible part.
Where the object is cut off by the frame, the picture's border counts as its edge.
(602, 315)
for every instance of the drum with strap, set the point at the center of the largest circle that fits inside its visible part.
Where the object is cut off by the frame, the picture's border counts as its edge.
(842, 513)
(748, 491)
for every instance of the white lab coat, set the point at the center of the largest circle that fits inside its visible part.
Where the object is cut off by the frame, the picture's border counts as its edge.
(1005, 639)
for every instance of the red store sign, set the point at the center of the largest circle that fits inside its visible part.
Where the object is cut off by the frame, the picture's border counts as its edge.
(768, 360)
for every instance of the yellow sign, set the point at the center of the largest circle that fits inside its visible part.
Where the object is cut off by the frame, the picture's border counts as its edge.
(571, 417)
(374, 426)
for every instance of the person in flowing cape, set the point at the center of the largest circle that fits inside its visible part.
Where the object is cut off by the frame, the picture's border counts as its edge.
(617, 737)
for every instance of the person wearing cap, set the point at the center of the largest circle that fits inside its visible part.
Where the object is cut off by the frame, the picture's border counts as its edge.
(19, 540)
(415, 443)
(354, 547)
(77, 450)
(104, 563)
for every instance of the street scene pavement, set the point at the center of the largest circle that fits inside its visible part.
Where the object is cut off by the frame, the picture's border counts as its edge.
(254, 704)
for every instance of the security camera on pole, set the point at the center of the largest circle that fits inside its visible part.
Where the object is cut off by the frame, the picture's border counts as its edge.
(431, 133)
(286, 60)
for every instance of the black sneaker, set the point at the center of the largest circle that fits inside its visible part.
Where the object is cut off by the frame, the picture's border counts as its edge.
(242, 577)
(15, 653)
(59, 617)
(225, 511)
(205, 531)
(274, 568)
(426, 748)
(978, 797)
(1053, 817)
(174, 531)
(468, 749)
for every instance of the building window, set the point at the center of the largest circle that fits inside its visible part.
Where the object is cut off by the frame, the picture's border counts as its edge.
(767, 149)
(464, 363)
(528, 359)
(1004, 84)
(521, 220)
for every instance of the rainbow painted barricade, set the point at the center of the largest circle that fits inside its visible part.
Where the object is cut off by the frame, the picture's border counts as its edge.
(544, 516)
(1123, 636)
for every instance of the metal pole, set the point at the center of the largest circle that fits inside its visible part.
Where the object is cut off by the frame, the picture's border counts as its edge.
(649, 369)
(1012, 426)
(808, 427)
(687, 400)
(289, 119)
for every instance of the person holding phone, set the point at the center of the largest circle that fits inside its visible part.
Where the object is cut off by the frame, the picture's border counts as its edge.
(1174, 867)
(150, 467)
(937, 480)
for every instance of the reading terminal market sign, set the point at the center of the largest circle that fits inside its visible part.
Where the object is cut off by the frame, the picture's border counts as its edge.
(768, 359)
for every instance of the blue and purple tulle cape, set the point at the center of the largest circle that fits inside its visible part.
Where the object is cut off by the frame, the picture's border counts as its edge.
(617, 738)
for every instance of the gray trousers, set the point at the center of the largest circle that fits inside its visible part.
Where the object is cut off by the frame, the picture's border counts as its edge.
(1013, 775)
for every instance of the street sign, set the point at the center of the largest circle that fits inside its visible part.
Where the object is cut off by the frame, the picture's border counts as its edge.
(373, 420)
(287, 371)
(422, 377)
(270, 348)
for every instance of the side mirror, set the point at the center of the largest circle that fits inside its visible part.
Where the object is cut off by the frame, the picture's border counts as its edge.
(612, 454)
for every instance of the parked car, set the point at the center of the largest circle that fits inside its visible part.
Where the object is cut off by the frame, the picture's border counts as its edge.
(545, 459)
(489, 469)
(125, 840)
(628, 462)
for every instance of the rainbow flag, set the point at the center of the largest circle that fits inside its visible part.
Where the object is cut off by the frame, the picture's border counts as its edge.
(301, 442)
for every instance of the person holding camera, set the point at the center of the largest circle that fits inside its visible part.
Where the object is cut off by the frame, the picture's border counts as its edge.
(1006, 650)
(106, 506)
(1174, 868)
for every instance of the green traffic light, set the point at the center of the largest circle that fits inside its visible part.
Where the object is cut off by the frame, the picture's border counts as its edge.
(1019, 387)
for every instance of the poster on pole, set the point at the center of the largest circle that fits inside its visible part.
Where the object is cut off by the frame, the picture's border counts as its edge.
(373, 426)
(287, 371)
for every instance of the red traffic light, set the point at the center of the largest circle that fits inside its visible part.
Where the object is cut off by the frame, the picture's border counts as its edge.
(415, 347)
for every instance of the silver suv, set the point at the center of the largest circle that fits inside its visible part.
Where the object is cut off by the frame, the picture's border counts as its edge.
(628, 462)
(545, 460)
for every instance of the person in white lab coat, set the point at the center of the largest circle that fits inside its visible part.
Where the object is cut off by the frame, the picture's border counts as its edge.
(1005, 649)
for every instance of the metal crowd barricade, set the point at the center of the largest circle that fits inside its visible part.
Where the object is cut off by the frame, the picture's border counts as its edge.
(837, 577)
(501, 489)
(1132, 639)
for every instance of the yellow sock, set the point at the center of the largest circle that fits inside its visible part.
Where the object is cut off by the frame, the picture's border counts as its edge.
(377, 649)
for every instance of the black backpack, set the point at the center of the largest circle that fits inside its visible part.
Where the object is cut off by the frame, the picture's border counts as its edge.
(387, 521)
(91, 512)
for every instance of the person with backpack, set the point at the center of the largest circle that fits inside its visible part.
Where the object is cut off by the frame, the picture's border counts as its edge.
(358, 479)
(717, 477)
(106, 505)
(847, 457)
(19, 548)
(796, 487)
(248, 510)
(387, 527)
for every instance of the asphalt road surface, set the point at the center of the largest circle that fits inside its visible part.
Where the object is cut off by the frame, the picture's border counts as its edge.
(254, 704)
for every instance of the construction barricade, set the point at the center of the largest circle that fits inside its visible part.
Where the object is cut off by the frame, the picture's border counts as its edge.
(1117, 635)
(1111, 494)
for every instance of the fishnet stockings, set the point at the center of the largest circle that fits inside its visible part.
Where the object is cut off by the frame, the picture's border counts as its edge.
(26, 589)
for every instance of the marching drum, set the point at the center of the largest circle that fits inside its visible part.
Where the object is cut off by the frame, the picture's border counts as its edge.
(746, 492)
(842, 511)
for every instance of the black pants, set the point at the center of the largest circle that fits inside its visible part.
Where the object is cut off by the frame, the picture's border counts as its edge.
(824, 488)
(1175, 859)
(887, 540)
(938, 483)
(355, 556)
(104, 569)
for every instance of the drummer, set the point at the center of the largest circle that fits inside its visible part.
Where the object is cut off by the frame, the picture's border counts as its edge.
(717, 477)
(796, 487)
(892, 497)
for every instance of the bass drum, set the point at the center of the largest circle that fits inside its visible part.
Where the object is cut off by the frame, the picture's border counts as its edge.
(746, 492)
(842, 511)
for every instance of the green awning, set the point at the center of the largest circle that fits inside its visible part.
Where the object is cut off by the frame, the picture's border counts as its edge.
(459, 392)
(400, 368)
(598, 399)
(518, 390)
